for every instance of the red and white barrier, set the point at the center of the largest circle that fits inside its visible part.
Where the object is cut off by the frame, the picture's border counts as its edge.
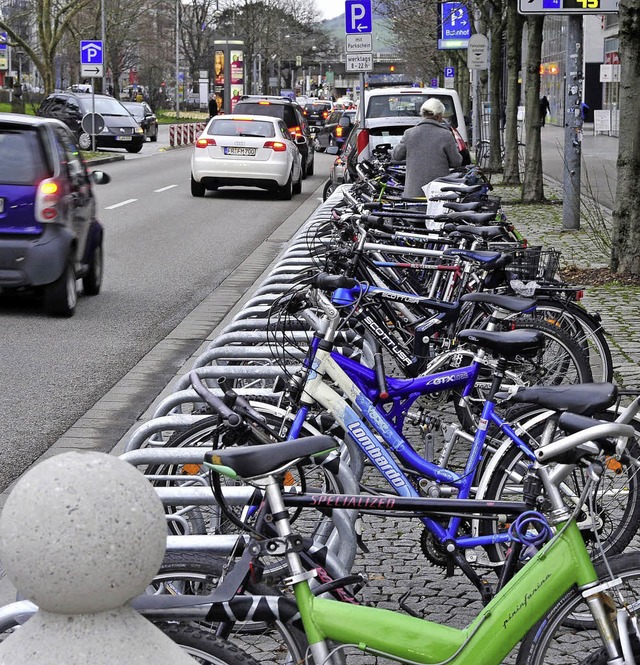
(185, 133)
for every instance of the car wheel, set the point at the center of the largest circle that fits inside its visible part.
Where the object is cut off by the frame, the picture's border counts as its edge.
(310, 166)
(92, 281)
(154, 138)
(329, 189)
(297, 186)
(84, 141)
(197, 188)
(134, 148)
(61, 296)
(286, 191)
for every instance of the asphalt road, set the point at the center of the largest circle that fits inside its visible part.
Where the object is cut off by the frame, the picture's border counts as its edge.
(164, 252)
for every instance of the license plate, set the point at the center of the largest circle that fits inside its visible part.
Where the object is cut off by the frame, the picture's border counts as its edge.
(123, 138)
(1, 204)
(242, 152)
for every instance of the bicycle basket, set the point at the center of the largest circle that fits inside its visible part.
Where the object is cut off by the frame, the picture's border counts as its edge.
(534, 264)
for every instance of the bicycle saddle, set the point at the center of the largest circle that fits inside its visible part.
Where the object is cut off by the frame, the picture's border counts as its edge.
(581, 398)
(506, 344)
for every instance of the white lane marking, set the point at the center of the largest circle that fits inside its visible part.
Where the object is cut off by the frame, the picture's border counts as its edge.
(122, 203)
(164, 189)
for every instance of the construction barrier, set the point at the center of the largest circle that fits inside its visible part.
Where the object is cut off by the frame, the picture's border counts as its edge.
(185, 133)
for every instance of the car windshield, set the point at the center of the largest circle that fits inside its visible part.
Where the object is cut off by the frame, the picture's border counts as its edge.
(23, 161)
(264, 108)
(405, 104)
(106, 106)
(134, 108)
(241, 127)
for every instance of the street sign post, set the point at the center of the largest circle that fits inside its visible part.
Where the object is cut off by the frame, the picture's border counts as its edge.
(562, 7)
(478, 52)
(91, 59)
(358, 16)
(455, 25)
(359, 62)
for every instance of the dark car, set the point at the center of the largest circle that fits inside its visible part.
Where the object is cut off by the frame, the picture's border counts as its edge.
(145, 117)
(336, 130)
(317, 113)
(49, 234)
(120, 129)
(287, 110)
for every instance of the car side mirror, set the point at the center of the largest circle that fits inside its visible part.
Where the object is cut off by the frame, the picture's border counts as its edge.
(100, 177)
(345, 121)
(299, 140)
(333, 150)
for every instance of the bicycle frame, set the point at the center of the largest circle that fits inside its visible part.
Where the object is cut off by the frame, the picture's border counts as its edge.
(316, 390)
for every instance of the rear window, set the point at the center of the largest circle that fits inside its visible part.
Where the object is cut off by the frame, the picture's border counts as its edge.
(22, 159)
(231, 127)
(386, 106)
(316, 108)
(254, 108)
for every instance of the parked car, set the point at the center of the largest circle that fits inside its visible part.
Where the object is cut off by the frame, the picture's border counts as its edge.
(335, 130)
(317, 113)
(145, 117)
(49, 234)
(287, 110)
(120, 129)
(391, 111)
(258, 151)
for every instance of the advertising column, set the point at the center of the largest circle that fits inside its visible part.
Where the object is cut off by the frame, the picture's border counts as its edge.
(237, 76)
(218, 79)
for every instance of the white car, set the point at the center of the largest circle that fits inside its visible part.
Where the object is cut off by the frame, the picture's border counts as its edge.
(248, 150)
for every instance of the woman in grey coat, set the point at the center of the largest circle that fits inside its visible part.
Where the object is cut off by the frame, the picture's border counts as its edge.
(429, 148)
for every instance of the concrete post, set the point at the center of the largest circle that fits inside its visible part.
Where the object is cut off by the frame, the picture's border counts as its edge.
(80, 535)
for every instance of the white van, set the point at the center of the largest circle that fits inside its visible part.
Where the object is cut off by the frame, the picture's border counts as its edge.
(391, 111)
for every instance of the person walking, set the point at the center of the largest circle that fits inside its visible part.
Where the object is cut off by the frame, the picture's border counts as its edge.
(544, 109)
(429, 149)
(213, 107)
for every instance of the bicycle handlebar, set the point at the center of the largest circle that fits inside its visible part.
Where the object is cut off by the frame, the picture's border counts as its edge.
(232, 419)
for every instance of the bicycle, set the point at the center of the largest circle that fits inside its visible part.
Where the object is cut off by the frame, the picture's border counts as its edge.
(553, 581)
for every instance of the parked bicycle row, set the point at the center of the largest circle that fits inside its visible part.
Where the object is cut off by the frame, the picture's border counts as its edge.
(423, 362)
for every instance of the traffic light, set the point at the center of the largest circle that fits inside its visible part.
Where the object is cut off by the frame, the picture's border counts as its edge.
(392, 68)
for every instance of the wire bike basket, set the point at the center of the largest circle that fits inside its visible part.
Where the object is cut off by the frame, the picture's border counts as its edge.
(534, 264)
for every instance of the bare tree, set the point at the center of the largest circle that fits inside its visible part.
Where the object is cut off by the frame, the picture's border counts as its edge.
(625, 254)
(515, 23)
(532, 185)
(51, 20)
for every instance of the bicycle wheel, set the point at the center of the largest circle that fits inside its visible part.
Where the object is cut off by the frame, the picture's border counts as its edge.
(204, 647)
(617, 500)
(585, 329)
(272, 641)
(547, 642)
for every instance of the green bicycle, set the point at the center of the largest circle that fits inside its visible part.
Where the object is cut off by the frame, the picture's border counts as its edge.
(558, 584)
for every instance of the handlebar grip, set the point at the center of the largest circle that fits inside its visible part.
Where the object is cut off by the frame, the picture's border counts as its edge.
(381, 379)
(332, 282)
(233, 420)
(380, 223)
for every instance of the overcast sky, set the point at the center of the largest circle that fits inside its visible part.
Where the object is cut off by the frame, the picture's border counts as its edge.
(330, 8)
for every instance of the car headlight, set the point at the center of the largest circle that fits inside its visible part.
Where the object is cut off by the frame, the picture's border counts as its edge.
(139, 130)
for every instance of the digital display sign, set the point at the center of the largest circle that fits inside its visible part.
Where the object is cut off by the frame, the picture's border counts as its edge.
(568, 6)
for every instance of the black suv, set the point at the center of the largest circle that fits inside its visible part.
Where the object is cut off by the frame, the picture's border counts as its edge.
(120, 128)
(287, 110)
(49, 234)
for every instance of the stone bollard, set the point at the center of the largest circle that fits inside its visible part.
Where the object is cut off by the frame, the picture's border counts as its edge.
(80, 535)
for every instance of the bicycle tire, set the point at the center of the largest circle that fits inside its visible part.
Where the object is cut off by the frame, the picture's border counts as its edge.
(585, 329)
(618, 499)
(540, 645)
(204, 647)
(269, 641)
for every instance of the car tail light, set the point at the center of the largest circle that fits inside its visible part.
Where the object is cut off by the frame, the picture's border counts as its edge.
(265, 103)
(47, 199)
(363, 140)
(205, 143)
(339, 131)
(276, 146)
(325, 114)
(295, 131)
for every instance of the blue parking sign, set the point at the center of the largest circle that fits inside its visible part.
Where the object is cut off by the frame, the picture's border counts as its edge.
(449, 72)
(91, 52)
(358, 16)
(455, 21)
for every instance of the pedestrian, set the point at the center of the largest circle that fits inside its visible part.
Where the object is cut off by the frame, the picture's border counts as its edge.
(429, 149)
(584, 109)
(544, 109)
(213, 106)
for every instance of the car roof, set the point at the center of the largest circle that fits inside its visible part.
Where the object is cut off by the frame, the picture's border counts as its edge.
(32, 120)
(404, 90)
(246, 116)
(267, 98)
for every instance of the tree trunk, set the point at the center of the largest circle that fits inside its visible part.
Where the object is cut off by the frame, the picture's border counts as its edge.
(625, 251)
(532, 186)
(495, 65)
(515, 22)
